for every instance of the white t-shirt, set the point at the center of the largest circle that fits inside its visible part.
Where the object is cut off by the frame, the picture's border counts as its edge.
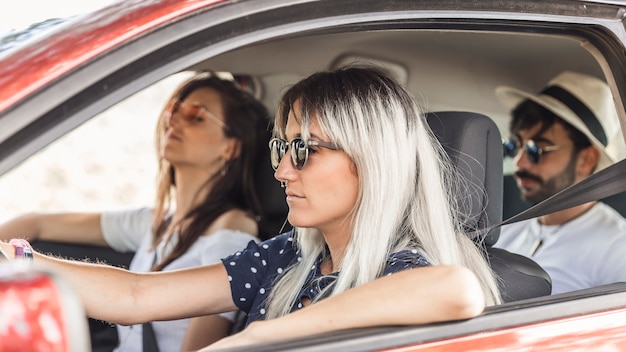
(585, 252)
(131, 230)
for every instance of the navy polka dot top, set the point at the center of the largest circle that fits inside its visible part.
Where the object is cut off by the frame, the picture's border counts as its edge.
(251, 272)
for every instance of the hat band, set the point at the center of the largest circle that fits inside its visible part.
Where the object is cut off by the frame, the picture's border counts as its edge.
(586, 115)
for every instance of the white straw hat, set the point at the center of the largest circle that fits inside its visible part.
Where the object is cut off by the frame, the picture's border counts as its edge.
(585, 102)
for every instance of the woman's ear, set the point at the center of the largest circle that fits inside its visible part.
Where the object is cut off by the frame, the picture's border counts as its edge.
(587, 161)
(232, 150)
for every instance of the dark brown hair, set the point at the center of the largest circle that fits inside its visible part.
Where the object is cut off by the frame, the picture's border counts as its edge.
(247, 121)
(528, 114)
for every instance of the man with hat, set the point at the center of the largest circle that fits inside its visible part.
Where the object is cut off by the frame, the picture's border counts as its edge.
(559, 137)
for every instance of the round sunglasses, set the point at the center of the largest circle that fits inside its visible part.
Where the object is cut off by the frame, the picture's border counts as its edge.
(512, 146)
(299, 151)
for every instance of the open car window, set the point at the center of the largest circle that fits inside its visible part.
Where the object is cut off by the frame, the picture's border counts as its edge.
(107, 163)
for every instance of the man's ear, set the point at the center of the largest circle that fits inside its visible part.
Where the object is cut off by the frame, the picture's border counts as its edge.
(587, 161)
(233, 149)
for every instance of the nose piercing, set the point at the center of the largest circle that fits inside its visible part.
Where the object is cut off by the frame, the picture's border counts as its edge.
(283, 184)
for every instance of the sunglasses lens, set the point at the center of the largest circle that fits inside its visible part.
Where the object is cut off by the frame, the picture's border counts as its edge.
(509, 147)
(185, 112)
(277, 152)
(189, 112)
(299, 153)
(532, 151)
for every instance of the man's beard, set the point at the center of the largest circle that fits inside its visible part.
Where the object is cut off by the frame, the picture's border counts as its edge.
(550, 186)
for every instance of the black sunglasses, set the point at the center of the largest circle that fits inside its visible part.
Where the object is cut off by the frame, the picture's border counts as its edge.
(299, 151)
(533, 152)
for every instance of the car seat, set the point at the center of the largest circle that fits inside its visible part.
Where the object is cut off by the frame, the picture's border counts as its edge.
(272, 196)
(474, 145)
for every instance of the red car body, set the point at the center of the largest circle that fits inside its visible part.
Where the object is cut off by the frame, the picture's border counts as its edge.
(41, 62)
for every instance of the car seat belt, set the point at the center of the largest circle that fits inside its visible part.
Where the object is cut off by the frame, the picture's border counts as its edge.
(602, 184)
(149, 340)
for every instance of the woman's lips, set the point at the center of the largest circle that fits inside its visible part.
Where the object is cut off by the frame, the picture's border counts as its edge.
(174, 136)
(292, 196)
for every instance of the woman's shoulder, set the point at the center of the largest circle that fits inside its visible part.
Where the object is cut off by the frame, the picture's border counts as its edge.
(283, 241)
(404, 259)
(271, 256)
(125, 229)
(278, 245)
(234, 219)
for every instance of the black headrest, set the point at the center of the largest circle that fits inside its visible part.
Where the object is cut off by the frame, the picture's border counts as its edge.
(476, 135)
(474, 144)
(271, 195)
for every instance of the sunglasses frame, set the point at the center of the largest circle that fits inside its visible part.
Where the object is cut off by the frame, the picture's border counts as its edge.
(202, 111)
(532, 150)
(279, 147)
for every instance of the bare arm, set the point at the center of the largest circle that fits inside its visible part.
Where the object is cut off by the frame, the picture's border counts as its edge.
(81, 228)
(417, 296)
(120, 296)
(205, 330)
(235, 219)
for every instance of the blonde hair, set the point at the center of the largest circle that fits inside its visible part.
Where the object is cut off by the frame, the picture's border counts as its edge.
(401, 167)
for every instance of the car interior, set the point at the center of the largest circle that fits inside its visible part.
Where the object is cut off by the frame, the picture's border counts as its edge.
(480, 163)
(453, 74)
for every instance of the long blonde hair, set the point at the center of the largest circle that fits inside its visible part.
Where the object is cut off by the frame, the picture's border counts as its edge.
(401, 167)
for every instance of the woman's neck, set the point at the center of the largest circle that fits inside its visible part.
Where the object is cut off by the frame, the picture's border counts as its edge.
(191, 190)
(337, 242)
